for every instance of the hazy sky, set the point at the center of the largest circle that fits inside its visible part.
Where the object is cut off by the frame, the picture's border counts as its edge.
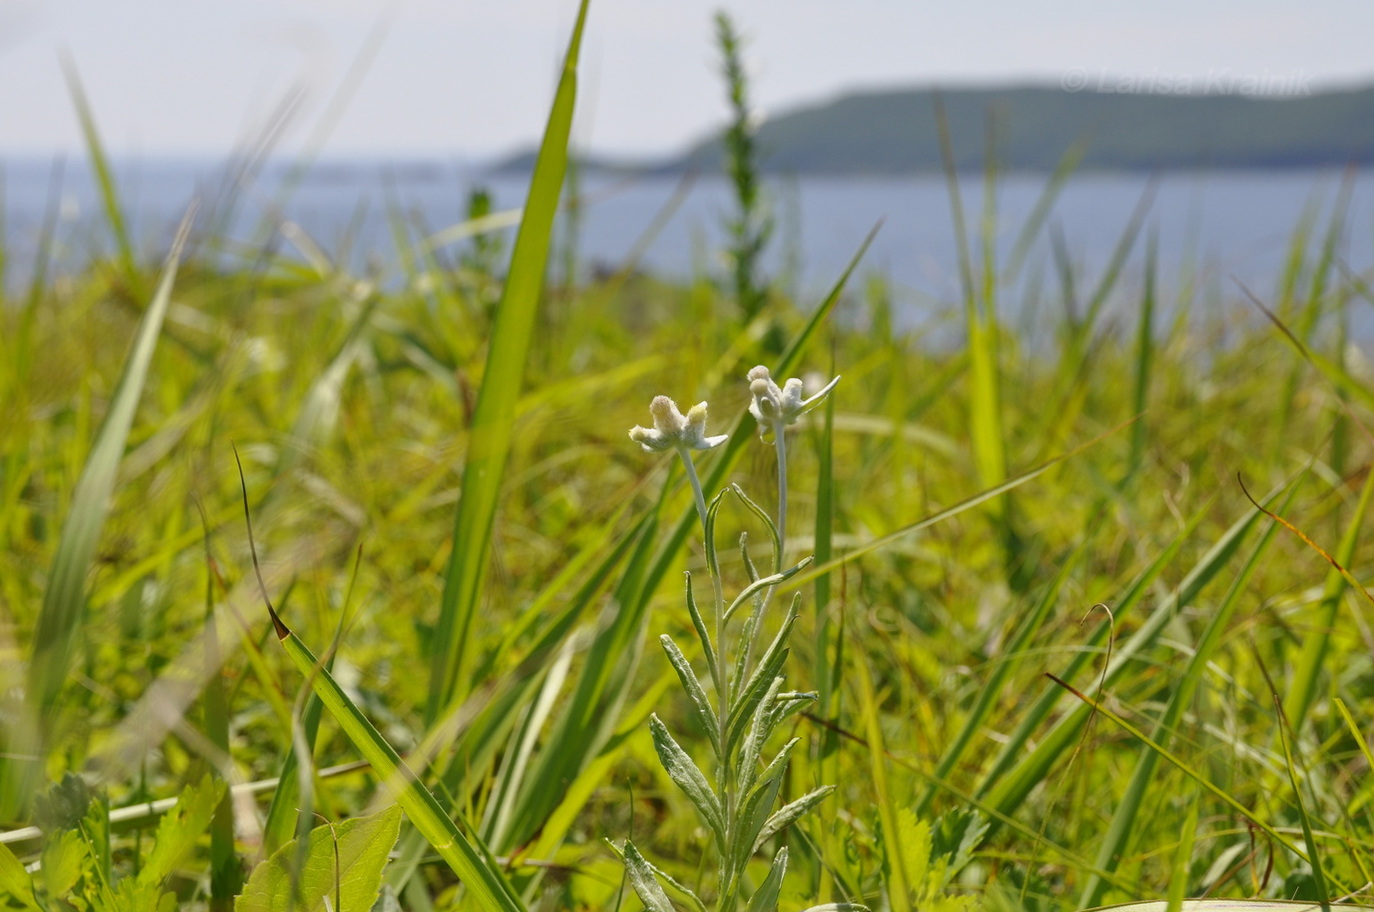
(454, 77)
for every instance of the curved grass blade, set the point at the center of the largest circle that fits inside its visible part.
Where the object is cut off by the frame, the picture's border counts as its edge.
(494, 416)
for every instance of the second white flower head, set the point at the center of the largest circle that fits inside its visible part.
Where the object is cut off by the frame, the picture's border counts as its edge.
(774, 407)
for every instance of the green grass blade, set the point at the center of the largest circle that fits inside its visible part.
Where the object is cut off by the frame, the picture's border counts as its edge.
(992, 689)
(1144, 355)
(484, 881)
(1313, 856)
(57, 635)
(493, 418)
(225, 876)
(1183, 858)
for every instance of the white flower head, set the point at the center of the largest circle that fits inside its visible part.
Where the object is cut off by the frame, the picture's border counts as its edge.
(774, 407)
(674, 431)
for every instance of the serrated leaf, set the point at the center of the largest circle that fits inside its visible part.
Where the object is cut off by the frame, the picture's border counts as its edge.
(179, 829)
(695, 692)
(342, 872)
(956, 834)
(790, 813)
(64, 857)
(683, 771)
(765, 898)
(15, 882)
(643, 882)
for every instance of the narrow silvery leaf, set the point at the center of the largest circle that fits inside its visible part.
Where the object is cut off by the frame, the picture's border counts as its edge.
(642, 879)
(839, 907)
(790, 813)
(688, 777)
(760, 585)
(765, 898)
(672, 886)
(695, 693)
(754, 813)
(746, 641)
(700, 626)
(770, 664)
(754, 741)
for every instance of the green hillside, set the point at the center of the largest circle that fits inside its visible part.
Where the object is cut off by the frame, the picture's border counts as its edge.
(895, 131)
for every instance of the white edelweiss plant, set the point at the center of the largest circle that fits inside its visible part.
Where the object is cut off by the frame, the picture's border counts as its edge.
(749, 703)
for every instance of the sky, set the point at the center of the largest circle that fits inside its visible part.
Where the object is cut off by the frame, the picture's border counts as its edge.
(470, 80)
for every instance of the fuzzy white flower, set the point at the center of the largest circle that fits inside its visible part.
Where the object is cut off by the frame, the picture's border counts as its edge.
(674, 431)
(776, 407)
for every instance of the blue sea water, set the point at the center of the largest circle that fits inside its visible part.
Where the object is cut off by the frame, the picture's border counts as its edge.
(1213, 229)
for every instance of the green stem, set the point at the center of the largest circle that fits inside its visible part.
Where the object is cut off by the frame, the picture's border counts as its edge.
(780, 444)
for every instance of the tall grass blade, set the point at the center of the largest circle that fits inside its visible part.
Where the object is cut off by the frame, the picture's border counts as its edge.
(1313, 856)
(60, 619)
(494, 415)
(1144, 355)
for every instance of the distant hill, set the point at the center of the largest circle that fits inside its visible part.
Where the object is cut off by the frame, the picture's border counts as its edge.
(895, 132)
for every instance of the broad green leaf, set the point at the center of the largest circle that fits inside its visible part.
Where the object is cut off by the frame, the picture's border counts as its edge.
(683, 771)
(759, 803)
(752, 748)
(642, 880)
(665, 879)
(342, 872)
(765, 898)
